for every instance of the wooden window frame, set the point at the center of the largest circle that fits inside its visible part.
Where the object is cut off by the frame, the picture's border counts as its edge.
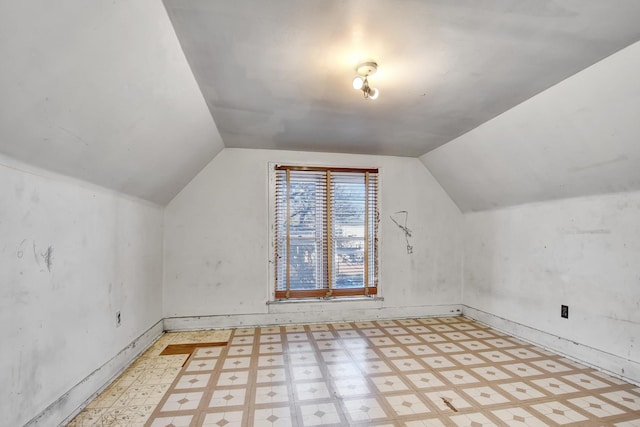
(370, 273)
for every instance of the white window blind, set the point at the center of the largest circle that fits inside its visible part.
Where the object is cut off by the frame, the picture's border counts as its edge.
(326, 231)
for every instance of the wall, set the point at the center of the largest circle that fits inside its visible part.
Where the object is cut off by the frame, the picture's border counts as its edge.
(578, 138)
(71, 255)
(218, 246)
(101, 91)
(522, 263)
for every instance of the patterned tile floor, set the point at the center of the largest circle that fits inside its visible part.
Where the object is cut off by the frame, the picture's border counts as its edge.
(132, 397)
(410, 372)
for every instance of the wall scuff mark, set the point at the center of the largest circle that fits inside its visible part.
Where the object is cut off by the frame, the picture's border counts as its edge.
(581, 231)
(35, 253)
(48, 257)
(618, 159)
(19, 251)
(76, 137)
(404, 228)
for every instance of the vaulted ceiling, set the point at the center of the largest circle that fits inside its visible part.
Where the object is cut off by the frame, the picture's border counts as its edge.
(139, 96)
(101, 91)
(578, 138)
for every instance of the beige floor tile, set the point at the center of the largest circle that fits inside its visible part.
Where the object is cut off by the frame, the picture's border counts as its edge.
(407, 404)
(319, 414)
(273, 417)
(518, 417)
(559, 413)
(367, 409)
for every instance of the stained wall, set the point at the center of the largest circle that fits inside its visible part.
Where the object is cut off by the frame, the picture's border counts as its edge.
(72, 255)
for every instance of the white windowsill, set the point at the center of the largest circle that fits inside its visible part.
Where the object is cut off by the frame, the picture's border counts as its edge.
(324, 300)
(322, 305)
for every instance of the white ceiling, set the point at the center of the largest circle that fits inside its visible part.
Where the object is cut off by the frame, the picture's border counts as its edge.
(277, 74)
(102, 91)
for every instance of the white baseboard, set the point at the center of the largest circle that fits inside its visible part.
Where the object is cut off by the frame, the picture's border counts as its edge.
(311, 312)
(616, 366)
(67, 406)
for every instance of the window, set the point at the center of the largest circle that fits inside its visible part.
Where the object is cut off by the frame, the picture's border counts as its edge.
(326, 232)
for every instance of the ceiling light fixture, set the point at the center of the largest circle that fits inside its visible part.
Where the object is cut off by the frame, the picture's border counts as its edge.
(361, 81)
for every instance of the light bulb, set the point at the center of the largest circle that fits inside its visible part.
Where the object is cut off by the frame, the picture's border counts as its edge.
(374, 93)
(358, 82)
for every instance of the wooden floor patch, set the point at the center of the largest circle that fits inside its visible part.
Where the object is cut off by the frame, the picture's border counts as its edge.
(189, 348)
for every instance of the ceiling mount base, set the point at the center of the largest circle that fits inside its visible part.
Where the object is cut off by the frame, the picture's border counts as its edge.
(366, 69)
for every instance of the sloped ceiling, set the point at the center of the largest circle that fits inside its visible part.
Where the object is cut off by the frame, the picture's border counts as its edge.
(578, 138)
(100, 90)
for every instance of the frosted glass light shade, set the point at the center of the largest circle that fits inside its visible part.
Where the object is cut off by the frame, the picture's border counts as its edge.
(374, 93)
(358, 82)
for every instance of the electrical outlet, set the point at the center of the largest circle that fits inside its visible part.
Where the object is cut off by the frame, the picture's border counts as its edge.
(118, 319)
(564, 311)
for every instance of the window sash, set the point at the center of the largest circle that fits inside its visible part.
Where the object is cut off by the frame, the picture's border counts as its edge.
(325, 231)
